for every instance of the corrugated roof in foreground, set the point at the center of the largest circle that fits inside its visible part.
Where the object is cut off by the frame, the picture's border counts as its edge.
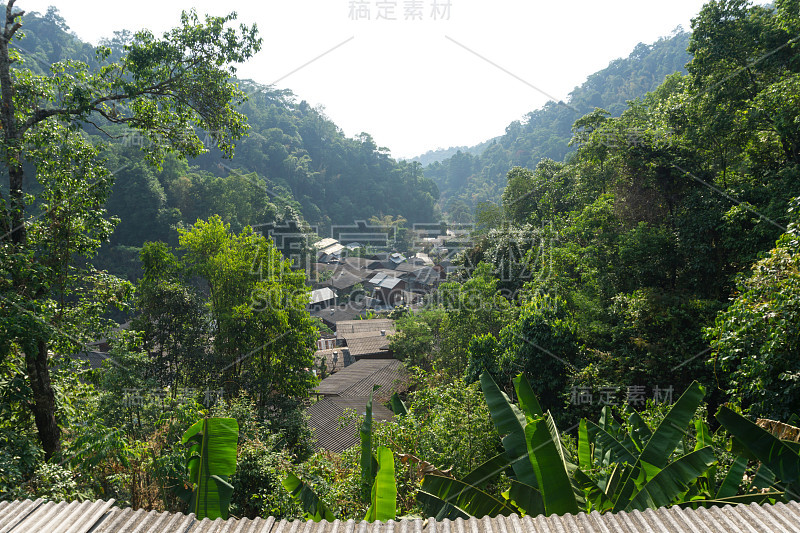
(101, 517)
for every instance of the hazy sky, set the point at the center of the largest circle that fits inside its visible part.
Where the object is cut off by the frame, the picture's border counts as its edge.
(418, 82)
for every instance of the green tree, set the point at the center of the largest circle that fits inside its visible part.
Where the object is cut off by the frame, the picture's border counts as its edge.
(543, 345)
(756, 340)
(263, 334)
(161, 87)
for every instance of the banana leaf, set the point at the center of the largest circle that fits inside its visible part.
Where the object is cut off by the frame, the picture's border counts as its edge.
(640, 433)
(673, 480)
(596, 498)
(438, 508)
(584, 447)
(671, 430)
(461, 499)
(510, 422)
(487, 471)
(758, 498)
(527, 399)
(211, 458)
(613, 449)
(526, 498)
(313, 508)
(773, 453)
(368, 464)
(551, 472)
(730, 485)
(383, 504)
(702, 435)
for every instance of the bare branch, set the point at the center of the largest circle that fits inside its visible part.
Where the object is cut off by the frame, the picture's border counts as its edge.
(8, 33)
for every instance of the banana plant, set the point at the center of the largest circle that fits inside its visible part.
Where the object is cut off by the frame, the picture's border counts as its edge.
(210, 459)
(779, 458)
(377, 475)
(383, 498)
(614, 469)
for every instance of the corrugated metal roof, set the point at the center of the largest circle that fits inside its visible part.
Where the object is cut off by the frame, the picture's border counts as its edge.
(344, 279)
(322, 295)
(324, 417)
(376, 346)
(101, 517)
(343, 327)
(357, 380)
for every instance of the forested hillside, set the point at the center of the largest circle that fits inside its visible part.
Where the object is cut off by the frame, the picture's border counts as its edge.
(295, 165)
(467, 178)
(624, 259)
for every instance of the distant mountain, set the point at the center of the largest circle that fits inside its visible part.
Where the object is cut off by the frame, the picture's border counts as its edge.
(440, 154)
(467, 178)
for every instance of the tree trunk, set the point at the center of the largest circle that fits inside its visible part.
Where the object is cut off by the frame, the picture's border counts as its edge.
(44, 399)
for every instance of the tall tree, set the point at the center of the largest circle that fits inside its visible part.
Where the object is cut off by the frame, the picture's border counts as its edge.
(164, 88)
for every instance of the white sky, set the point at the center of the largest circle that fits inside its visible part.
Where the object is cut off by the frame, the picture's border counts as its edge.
(412, 84)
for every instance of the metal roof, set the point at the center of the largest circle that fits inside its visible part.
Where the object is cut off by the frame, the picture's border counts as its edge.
(324, 243)
(358, 379)
(339, 313)
(343, 327)
(324, 421)
(322, 295)
(373, 346)
(101, 517)
(344, 279)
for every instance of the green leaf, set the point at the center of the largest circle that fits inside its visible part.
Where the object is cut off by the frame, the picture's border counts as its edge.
(487, 471)
(672, 428)
(584, 446)
(509, 421)
(613, 448)
(551, 473)
(597, 499)
(466, 499)
(673, 480)
(398, 407)
(439, 509)
(312, 506)
(367, 461)
(527, 399)
(773, 453)
(702, 435)
(730, 485)
(758, 498)
(640, 433)
(211, 458)
(528, 499)
(383, 505)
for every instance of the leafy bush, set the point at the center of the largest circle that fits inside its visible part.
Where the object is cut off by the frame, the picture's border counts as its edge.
(756, 340)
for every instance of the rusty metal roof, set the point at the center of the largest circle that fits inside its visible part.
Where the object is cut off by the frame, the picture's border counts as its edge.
(102, 517)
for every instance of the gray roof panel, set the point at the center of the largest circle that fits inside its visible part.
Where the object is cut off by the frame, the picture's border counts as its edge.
(102, 517)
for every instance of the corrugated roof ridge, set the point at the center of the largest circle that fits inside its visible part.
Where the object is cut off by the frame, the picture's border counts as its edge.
(88, 513)
(101, 516)
(28, 506)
